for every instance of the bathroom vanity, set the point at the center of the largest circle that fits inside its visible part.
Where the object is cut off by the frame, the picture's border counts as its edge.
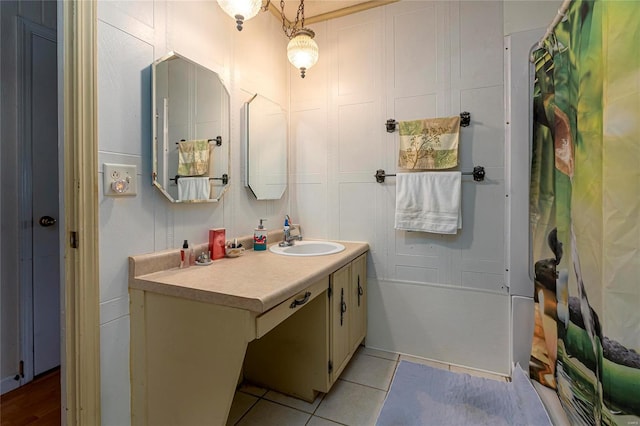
(286, 323)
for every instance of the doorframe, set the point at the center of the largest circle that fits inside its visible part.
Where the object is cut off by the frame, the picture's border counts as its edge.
(81, 314)
(27, 29)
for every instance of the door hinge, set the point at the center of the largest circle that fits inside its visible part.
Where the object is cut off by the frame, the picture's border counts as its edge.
(329, 292)
(21, 369)
(73, 239)
(330, 367)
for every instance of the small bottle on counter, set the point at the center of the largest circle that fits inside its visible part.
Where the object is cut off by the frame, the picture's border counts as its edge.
(184, 255)
(260, 237)
(192, 255)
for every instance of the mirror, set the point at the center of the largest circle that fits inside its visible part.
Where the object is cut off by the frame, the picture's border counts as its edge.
(190, 131)
(265, 137)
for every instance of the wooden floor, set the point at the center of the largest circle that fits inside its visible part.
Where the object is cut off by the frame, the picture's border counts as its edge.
(36, 403)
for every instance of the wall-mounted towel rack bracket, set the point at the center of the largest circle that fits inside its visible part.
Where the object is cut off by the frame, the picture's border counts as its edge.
(465, 120)
(478, 174)
(224, 178)
(217, 140)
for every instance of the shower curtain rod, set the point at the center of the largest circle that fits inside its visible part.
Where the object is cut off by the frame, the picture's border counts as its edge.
(562, 12)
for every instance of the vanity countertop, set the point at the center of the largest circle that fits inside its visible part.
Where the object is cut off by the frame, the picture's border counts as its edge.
(256, 281)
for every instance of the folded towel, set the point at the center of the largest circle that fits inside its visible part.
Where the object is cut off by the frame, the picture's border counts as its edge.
(193, 188)
(193, 157)
(430, 144)
(429, 202)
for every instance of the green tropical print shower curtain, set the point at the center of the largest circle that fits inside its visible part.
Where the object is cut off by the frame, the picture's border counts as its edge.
(585, 212)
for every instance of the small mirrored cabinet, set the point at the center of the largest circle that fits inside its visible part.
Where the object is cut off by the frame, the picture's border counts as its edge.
(190, 131)
(265, 138)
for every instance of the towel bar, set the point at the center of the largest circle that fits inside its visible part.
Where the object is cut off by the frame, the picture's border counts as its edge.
(224, 178)
(465, 120)
(478, 174)
(217, 140)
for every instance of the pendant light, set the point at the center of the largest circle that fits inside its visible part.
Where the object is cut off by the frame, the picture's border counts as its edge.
(241, 10)
(302, 50)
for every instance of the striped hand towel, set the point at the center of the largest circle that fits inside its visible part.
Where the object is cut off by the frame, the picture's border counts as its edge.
(429, 144)
(193, 158)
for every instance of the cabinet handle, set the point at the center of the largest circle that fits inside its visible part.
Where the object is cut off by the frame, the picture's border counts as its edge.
(298, 302)
(360, 291)
(343, 306)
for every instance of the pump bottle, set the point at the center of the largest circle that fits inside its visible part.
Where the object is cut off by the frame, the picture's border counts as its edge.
(260, 237)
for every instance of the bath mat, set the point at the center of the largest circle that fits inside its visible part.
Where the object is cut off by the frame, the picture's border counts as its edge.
(421, 395)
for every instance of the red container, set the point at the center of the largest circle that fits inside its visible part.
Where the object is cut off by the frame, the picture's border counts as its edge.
(216, 243)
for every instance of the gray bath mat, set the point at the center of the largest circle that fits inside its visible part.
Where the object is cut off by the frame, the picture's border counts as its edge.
(422, 395)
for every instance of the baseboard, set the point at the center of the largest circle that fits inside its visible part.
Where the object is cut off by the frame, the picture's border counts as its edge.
(8, 384)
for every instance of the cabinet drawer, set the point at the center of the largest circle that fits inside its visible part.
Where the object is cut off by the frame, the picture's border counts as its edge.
(270, 319)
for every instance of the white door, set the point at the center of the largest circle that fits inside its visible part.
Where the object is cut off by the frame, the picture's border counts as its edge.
(42, 135)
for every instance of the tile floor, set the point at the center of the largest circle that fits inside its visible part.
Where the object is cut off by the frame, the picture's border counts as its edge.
(354, 400)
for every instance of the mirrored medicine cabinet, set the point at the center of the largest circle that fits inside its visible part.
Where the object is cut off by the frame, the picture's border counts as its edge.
(190, 131)
(265, 140)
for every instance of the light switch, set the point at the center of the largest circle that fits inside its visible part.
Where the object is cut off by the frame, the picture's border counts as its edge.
(120, 179)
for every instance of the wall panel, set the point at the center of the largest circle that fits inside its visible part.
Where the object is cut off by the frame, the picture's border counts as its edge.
(462, 327)
(415, 42)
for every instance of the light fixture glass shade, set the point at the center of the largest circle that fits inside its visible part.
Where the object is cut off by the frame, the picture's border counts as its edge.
(241, 10)
(302, 50)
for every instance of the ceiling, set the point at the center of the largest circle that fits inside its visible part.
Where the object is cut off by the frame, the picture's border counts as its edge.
(321, 10)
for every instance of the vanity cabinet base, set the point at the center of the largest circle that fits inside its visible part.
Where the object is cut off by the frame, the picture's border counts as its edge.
(179, 374)
(306, 353)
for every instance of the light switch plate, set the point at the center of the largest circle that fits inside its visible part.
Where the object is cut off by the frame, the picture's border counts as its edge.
(120, 179)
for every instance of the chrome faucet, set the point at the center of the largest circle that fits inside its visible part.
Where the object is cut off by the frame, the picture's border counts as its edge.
(289, 238)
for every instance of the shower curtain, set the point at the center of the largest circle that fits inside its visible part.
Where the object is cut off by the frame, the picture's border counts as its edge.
(585, 212)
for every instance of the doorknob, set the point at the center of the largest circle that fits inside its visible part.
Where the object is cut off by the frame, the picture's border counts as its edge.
(47, 221)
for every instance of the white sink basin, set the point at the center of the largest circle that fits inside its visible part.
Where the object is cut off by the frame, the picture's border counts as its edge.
(308, 248)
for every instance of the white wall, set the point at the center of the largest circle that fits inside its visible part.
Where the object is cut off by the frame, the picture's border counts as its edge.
(131, 35)
(523, 15)
(439, 297)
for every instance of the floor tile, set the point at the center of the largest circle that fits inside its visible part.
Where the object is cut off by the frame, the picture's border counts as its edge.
(351, 404)
(267, 413)
(423, 361)
(296, 403)
(252, 389)
(242, 402)
(477, 373)
(319, 421)
(378, 353)
(370, 371)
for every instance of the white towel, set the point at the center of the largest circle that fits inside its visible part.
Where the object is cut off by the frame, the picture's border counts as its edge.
(429, 202)
(193, 188)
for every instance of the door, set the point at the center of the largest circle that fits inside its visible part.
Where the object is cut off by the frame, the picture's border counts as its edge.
(41, 163)
(340, 348)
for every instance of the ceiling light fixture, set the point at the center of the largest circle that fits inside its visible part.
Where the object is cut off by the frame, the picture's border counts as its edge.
(241, 10)
(302, 50)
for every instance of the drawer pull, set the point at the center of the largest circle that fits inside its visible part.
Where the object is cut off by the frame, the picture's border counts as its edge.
(302, 301)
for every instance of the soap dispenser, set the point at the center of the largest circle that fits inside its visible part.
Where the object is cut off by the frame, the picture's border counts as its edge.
(260, 237)
(185, 260)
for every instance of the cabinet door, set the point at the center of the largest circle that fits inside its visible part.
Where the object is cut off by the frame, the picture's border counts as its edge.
(340, 348)
(358, 307)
